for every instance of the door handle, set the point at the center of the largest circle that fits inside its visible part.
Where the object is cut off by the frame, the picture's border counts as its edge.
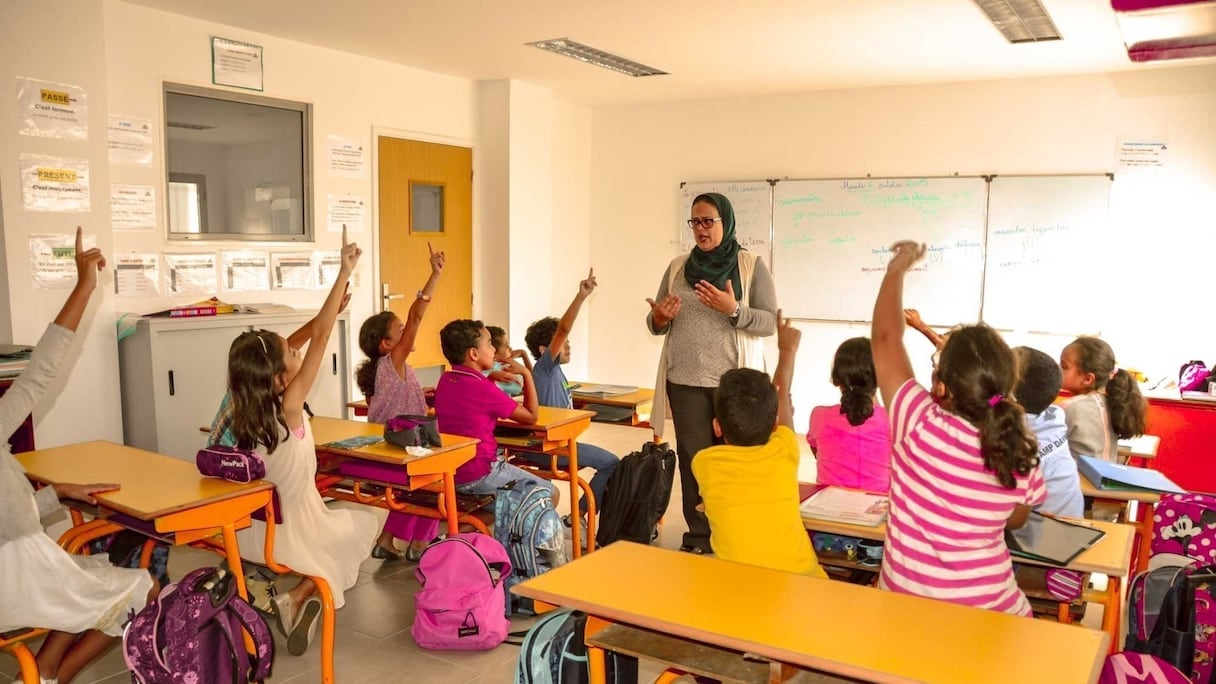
(387, 296)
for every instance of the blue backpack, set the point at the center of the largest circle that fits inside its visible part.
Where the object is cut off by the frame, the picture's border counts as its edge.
(553, 652)
(528, 526)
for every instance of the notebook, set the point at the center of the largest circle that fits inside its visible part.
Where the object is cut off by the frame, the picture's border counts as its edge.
(1106, 475)
(1051, 540)
(850, 506)
(602, 390)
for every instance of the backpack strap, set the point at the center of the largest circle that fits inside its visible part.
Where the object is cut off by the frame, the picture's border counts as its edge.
(263, 642)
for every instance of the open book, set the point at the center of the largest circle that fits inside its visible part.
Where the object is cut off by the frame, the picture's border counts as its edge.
(849, 506)
(587, 389)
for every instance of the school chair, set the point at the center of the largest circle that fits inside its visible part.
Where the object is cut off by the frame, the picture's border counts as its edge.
(14, 642)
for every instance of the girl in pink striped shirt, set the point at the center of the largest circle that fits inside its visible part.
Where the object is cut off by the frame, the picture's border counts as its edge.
(965, 466)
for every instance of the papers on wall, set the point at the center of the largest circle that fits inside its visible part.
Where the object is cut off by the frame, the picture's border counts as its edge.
(1142, 155)
(346, 158)
(292, 271)
(54, 183)
(328, 265)
(234, 63)
(191, 274)
(850, 506)
(347, 210)
(133, 207)
(129, 140)
(53, 259)
(52, 110)
(136, 275)
(245, 270)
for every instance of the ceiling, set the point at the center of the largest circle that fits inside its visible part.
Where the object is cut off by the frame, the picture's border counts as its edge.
(711, 48)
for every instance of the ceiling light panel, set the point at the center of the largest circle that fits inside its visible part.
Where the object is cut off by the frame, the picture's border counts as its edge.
(590, 55)
(1020, 21)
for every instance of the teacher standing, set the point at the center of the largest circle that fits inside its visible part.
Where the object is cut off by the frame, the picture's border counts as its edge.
(714, 305)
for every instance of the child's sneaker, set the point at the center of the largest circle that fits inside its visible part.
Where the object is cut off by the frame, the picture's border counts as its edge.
(582, 528)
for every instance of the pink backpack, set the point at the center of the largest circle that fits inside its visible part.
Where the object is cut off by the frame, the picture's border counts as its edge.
(1139, 668)
(1185, 524)
(462, 603)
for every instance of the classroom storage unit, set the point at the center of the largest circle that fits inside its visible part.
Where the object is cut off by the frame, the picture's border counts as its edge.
(1186, 454)
(174, 371)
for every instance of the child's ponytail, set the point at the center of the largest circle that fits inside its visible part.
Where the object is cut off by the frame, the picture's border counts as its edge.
(1128, 409)
(373, 331)
(853, 372)
(1008, 446)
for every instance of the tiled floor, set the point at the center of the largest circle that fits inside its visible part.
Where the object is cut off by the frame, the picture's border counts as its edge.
(373, 643)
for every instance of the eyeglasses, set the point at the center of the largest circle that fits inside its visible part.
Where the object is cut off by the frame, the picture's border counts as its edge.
(706, 223)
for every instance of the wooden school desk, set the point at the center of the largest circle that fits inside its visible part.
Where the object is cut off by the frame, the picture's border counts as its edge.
(639, 401)
(159, 495)
(554, 433)
(833, 627)
(436, 470)
(1111, 556)
(1137, 509)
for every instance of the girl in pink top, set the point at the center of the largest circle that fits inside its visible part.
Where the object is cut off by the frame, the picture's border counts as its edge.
(965, 463)
(852, 439)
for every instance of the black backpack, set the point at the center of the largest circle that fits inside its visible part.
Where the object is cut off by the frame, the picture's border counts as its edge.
(1185, 632)
(637, 495)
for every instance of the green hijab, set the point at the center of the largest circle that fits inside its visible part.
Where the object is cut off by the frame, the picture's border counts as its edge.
(722, 262)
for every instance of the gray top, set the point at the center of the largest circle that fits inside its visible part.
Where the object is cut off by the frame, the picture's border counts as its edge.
(701, 343)
(1089, 430)
(21, 508)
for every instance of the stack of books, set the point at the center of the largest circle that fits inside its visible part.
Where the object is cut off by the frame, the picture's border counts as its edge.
(850, 506)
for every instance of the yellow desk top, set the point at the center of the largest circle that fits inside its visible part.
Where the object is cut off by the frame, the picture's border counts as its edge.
(325, 429)
(1110, 556)
(835, 627)
(152, 485)
(549, 418)
(628, 400)
(1088, 489)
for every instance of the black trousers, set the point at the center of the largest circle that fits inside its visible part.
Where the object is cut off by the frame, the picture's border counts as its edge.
(692, 411)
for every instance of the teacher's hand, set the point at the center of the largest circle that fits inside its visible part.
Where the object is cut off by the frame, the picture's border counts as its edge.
(722, 301)
(662, 313)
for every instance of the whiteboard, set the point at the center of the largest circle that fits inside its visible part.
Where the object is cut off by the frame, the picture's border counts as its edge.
(1045, 253)
(832, 238)
(752, 201)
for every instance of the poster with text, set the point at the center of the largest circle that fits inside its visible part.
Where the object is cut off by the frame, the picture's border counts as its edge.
(328, 265)
(54, 183)
(133, 207)
(347, 210)
(346, 158)
(129, 140)
(136, 275)
(52, 110)
(191, 274)
(234, 63)
(53, 259)
(292, 271)
(245, 270)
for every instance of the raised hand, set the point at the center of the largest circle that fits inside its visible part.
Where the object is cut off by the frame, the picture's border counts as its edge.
(665, 311)
(87, 263)
(912, 318)
(514, 368)
(587, 286)
(437, 259)
(722, 301)
(788, 337)
(350, 254)
(345, 298)
(904, 254)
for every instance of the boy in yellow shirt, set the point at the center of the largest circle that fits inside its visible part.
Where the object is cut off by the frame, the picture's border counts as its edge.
(750, 484)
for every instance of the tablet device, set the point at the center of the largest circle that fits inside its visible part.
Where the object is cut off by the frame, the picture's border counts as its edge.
(1051, 540)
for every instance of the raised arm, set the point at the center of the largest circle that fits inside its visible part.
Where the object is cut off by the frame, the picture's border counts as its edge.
(891, 364)
(301, 336)
(788, 339)
(566, 324)
(413, 319)
(87, 265)
(912, 318)
(323, 324)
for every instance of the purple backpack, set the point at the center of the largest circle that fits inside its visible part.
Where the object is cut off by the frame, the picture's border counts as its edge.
(1185, 524)
(1193, 377)
(192, 633)
(1139, 668)
(461, 606)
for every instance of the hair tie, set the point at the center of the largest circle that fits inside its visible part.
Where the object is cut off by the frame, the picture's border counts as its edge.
(264, 350)
(995, 399)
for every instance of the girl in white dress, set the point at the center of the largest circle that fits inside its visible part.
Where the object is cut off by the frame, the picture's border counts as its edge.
(83, 599)
(269, 381)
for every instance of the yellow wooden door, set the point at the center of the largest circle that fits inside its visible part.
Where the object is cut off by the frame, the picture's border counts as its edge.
(426, 195)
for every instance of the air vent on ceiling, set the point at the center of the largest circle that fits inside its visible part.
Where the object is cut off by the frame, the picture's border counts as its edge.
(590, 55)
(1020, 21)
(193, 127)
(1167, 29)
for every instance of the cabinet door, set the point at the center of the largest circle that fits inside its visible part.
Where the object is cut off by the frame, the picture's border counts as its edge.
(191, 378)
(328, 395)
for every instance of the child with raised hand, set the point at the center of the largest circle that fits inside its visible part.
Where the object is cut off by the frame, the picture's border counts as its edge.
(269, 382)
(1106, 406)
(852, 439)
(503, 354)
(391, 387)
(749, 484)
(964, 462)
(84, 600)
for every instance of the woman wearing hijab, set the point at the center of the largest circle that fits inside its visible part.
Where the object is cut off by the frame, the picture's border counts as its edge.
(714, 304)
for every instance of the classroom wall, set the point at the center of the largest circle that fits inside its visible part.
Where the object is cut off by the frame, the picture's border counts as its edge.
(1156, 234)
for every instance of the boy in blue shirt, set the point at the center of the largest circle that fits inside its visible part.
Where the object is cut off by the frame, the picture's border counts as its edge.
(1036, 391)
(548, 340)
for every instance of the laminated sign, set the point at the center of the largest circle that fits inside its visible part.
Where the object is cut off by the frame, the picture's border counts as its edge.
(54, 183)
(52, 110)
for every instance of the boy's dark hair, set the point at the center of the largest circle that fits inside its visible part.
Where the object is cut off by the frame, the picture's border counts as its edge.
(540, 334)
(745, 405)
(1127, 407)
(853, 373)
(1039, 379)
(978, 370)
(372, 331)
(497, 335)
(458, 337)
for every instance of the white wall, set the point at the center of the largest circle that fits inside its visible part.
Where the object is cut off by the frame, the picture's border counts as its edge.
(640, 154)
